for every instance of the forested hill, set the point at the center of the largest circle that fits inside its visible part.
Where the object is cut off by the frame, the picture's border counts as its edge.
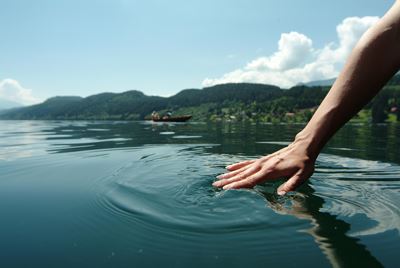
(135, 105)
(241, 101)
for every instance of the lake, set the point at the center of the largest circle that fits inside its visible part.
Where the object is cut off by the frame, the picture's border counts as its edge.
(139, 194)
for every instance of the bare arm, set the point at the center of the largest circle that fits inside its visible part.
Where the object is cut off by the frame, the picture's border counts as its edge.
(373, 61)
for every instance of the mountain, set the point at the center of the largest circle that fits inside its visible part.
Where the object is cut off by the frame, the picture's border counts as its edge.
(136, 105)
(329, 82)
(6, 104)
(233, 101)
(319, 83)
(49, 109)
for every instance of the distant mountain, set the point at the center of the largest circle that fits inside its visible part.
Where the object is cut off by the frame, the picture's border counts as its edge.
(319, 83)
(329, 82)
(6, 104)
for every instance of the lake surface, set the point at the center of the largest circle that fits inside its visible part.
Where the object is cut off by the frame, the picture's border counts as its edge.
(138, 194)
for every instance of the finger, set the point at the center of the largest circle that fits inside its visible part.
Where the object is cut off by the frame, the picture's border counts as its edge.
(236, 166)
(249, 182)
(240, 176)
(239, 165)
(232, 173)
(292, 184)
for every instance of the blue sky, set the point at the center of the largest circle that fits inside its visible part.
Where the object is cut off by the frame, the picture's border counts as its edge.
(70, 47)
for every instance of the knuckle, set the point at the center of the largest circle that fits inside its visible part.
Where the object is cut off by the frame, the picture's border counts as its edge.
(236, 178)
(247, 184)
(267, 169)
(274, 162)
(252, 181)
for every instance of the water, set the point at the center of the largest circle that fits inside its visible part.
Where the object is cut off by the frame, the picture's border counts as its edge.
(137, 194)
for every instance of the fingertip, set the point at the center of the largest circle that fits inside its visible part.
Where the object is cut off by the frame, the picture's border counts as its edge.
(233, 167)
(218, 183)
(227, 187)
(281, 192)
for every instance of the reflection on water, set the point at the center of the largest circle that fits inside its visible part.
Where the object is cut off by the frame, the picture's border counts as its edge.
(140, 194)
(328, 231)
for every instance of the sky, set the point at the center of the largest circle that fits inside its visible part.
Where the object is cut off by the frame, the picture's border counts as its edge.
(84, 47)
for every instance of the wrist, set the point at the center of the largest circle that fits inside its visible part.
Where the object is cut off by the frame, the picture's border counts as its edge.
(309, 143)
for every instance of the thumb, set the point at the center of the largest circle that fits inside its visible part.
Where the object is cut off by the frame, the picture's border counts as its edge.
(292, 183)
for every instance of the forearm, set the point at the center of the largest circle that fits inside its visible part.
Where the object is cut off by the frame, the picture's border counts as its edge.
(374, 60)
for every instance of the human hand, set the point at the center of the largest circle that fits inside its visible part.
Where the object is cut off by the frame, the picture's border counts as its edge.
(291, 162)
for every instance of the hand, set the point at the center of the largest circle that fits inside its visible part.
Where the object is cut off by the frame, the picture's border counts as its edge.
(290, 162)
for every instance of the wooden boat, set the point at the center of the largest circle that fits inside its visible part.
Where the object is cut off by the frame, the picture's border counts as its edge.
(182, 118)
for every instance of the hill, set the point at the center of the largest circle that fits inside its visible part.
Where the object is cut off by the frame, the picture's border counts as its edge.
(136, 105)
(241, 101)
(6, 104)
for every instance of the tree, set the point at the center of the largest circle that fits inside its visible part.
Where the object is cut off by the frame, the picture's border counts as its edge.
(379, 108)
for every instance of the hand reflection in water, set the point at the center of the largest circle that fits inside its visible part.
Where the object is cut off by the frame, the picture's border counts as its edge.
(328, 231)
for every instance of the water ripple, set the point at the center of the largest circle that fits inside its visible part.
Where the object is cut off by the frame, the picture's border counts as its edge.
(188, 203)
(355, 186)
(168, 190)
(147, 190)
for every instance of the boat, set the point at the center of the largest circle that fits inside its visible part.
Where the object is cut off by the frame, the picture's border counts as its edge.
(182, 118)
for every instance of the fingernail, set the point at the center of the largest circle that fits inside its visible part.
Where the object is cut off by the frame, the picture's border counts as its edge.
(227, 187)
(216, 184)
(228, 167)
(281, 192)
(220, 176)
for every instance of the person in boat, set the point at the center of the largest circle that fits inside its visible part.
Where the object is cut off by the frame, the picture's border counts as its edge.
(167, 115)
(373, 61)
(155, 115)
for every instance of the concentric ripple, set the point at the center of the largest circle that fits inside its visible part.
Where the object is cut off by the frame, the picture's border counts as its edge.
(367, 188)
(172, 186)
(167, 191)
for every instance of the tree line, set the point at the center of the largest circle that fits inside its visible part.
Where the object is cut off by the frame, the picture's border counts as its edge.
(234, 102)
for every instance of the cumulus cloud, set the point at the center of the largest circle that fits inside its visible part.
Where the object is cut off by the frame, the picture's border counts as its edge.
(297, 60)
(12, 90)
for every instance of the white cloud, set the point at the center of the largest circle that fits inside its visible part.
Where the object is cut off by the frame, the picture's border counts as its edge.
(294, 49)
(298, 61)
(12, 90)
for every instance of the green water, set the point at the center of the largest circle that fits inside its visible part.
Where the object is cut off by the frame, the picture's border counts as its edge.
(138, 194)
